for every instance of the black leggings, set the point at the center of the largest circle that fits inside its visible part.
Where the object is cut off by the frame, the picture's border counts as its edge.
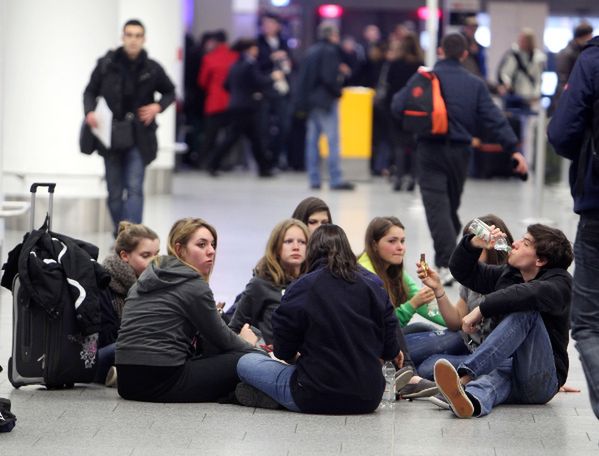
(200, 379)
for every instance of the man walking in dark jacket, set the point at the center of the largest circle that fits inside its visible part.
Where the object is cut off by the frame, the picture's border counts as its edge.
(443, 159)
(127, 80)
(321, 79)
(525, 358)
(574, 133)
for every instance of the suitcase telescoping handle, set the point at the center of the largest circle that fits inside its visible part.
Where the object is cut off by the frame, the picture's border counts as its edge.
(33, 190)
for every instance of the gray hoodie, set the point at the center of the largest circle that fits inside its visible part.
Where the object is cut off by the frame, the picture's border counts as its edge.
(164, 310)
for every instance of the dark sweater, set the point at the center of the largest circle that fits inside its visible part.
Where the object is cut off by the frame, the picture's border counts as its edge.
(255, 306)
(165, 309)
(505, 291)
(342, 330)
(572, 119)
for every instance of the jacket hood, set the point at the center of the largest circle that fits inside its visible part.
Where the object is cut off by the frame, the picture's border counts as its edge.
(165, 272)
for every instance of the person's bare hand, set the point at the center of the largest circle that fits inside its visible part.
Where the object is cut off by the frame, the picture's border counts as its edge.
(277, 75)
(248, 335)
(91, 119)
(470, 322)
(148, 112)
(569, 389)
(423, 296)
(429, 277)
(220, 307)
(399, 360)
(521, 166)
(344, 69)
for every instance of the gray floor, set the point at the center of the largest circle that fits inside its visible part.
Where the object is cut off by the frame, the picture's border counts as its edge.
(92, 420)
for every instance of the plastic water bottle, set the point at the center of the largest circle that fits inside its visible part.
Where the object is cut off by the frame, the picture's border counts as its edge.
(482, 230)
(388, 400)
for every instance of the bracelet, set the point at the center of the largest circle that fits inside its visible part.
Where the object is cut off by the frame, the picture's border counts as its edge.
(439, 297)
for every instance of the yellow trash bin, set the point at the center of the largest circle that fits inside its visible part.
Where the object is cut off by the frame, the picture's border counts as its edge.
(355, 124)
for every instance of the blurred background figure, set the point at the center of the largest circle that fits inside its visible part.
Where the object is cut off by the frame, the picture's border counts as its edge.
(213, 73)
(273, 54)
(476, 62)
(246, 85)
(567, 57)
(519, 75)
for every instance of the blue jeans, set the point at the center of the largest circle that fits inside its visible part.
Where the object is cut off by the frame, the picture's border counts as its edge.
(125, 182)
(427, 367)
(327, 122)
(422, 345)
(269, 376)
(585, 303)
(514, 364)
(105, 359)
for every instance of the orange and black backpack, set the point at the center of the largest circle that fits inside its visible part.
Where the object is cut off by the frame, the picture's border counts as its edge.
(424, 111)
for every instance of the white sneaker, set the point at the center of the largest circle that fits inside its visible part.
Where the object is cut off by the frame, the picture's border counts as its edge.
(445, 276)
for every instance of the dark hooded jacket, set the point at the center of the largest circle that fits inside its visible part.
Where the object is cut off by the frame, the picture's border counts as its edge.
(166, 309)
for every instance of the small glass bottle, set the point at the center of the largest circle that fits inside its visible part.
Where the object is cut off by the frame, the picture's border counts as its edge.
(482, 230)
(388, 399)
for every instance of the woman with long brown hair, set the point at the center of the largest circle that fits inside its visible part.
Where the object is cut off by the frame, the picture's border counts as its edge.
(282, 263)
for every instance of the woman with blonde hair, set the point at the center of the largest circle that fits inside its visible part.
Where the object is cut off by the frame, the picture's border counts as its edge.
(173, 345)
(282, 263)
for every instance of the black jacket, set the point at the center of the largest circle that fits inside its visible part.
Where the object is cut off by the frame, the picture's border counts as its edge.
(246, 84)
(107, 80)
(256, 305)
(58, 271)
(470, 109)
(265, 62)
(549, 293)
(342, 330)
(573, 118)
(320, 81)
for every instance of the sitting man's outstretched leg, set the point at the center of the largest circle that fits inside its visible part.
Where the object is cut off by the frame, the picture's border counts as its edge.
(514, 364)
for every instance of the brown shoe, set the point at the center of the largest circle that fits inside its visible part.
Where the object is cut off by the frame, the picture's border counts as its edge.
(448, 381)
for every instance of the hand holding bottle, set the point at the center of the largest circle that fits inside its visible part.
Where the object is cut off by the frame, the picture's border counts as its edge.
(428, 276)
(487, 237)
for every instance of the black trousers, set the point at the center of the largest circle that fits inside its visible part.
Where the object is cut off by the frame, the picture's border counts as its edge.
(200, 379)
(442, 169)
(243, 123)
(214, 124)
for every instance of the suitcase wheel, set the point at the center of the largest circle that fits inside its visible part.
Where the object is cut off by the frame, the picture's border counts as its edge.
(14, 383)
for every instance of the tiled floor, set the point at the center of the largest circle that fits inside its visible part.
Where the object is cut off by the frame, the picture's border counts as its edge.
(93, 420)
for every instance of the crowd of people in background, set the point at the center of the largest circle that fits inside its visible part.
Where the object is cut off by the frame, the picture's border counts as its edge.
(283, 124)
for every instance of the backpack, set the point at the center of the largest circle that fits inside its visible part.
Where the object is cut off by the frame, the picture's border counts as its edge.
(424, 110)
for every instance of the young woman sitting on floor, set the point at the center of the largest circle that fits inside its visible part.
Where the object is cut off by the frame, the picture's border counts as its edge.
(282, 263)
(173, 345)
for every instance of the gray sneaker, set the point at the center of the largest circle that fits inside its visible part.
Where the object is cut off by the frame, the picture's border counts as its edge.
(424, 388)
(252, 397)
(402, 377)
(440, 401)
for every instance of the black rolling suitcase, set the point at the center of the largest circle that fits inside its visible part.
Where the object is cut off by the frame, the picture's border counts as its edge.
(49, 346)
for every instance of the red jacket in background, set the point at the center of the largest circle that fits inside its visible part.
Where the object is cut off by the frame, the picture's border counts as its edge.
(212, 76)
